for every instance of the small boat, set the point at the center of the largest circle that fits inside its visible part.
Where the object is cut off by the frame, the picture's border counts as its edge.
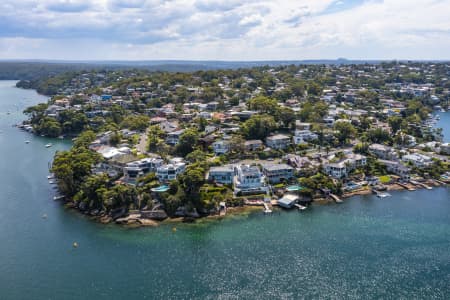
(51, 182)
(44, 216)
(27, 142)
(75, 245)
(383, 195)
(56, 198)
(51, 176)
(48, 145)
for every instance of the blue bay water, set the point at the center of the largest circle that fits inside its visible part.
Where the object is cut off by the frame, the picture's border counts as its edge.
(444, 123)
(366, 248)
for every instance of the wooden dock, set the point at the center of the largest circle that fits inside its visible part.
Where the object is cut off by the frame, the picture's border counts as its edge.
(336, 198)
(421, 184)
(267, 208)
(300, 207)
(406, 187)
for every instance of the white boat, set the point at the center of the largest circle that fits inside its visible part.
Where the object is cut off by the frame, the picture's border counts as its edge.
(383, 195)
(48, 145)
(51, 182)
(27, 142)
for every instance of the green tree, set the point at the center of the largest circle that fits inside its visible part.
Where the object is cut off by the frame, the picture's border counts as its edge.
(344, 131)
(187, 142)
(258, 127)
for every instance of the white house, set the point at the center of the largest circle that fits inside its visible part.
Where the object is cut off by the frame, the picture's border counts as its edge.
(248, 178)
(418, 160)
(342, 168)
(170, 171)
(396, 168)
(303, 136)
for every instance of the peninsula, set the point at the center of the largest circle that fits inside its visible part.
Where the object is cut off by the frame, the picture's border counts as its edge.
(155, 145)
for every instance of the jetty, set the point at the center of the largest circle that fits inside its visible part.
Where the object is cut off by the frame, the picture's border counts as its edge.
(380, 194)
(222, 209)
(406, 187)
(440, 182)
(300, 207)
(336, 198)
(267, 209)
(421, 184)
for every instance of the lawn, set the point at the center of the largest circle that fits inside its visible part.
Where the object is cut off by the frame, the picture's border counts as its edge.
(385, 179)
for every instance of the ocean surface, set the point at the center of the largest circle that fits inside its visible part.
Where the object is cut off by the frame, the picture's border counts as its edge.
(366, 248)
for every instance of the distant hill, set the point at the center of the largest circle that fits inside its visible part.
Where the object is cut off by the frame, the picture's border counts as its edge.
(32, 69)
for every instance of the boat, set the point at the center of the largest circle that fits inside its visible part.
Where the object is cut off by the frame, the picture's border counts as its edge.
(51, 176)
(56, 198)
(27, 142)
(52, 182)
(48, 145)
(383, 195)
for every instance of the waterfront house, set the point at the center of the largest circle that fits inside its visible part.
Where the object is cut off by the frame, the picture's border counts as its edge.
(278, 141)
(342, 168)
(288, 200)
(396, 168)
(248, 178)
(135, 169)
(276, 173)
(54, 110)
(417, 159)
(221, 174)
(170, 171)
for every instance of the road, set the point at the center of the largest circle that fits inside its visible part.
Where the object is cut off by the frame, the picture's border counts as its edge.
(143, 141)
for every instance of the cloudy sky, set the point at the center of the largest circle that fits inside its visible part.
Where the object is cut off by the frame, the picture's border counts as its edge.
(224, 29)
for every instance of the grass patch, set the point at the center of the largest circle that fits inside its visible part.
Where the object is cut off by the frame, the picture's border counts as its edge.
(385, 179)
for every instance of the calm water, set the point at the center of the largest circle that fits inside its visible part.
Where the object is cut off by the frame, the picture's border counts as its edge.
(444, 123)
(396, 247)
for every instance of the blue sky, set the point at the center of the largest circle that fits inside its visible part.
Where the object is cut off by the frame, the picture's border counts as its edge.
(224, 30)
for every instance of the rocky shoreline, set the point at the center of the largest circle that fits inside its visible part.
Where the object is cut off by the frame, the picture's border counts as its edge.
(135, 219)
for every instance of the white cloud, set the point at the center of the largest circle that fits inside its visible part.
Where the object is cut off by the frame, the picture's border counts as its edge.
(219, 29)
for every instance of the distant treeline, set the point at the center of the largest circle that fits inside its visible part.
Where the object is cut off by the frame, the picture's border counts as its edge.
(31, 70)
